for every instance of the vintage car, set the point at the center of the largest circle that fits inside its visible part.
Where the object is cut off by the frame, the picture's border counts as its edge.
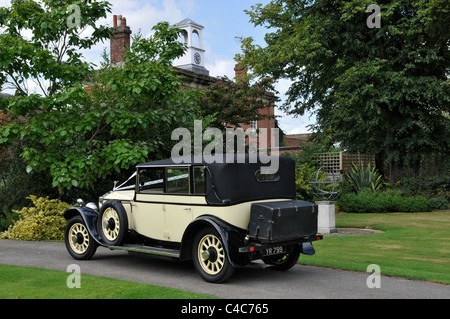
(220, 215)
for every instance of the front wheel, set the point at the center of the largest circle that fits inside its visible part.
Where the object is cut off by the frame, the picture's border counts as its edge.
(210, 257)
(79, 242)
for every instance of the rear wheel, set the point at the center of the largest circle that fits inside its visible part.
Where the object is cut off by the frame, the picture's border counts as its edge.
(210, 257)
(79, 242)
(286, 261)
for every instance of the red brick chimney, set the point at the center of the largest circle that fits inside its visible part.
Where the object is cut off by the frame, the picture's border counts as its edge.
(120, 40)
(239, 73)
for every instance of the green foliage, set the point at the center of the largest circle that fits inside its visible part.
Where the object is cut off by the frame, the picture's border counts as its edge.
(306, 172)
(49, 55)
(429, 186)
(81, 136)
(380, 90)
(304, 175)
(367, 201)
(440, 203)
(44, 221)
(364, 177)
(15, 185)
(235, 103)
(7, 217)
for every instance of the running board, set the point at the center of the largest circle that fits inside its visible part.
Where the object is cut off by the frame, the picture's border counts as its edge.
(173, 253)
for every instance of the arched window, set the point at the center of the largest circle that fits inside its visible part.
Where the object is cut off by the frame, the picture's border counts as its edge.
(184, 36)
(195, 39)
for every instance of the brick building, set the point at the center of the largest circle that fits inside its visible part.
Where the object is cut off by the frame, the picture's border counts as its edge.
(190, 67)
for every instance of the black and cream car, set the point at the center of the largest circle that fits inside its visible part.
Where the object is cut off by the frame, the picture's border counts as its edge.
(220, 215)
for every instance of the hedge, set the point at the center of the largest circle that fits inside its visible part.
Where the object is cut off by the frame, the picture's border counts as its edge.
(368, 201)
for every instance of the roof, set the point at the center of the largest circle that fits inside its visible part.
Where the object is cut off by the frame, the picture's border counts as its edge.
(212, 160)
(187, 22)
(235, 179)
(4, 95)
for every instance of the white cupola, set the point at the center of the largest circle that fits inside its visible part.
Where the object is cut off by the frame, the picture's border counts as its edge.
(193, 60)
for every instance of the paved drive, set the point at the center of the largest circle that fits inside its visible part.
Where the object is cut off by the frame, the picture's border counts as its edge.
(252, 282)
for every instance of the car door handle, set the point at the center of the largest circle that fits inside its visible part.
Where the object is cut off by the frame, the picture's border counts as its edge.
(188, 208)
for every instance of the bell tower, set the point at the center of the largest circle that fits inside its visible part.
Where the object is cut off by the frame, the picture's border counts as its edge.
(193, 60)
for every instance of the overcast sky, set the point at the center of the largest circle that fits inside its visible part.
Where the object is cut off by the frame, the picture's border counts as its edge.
(223, 22)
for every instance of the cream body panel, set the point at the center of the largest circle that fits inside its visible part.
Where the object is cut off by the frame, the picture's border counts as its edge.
(177, 216)
(149, 217)
(121, 195)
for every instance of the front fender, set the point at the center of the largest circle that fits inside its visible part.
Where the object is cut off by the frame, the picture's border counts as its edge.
(90, 218)
(230, 235)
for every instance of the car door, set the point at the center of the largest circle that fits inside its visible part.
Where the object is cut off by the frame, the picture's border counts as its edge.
(148, 208)
(177, 202)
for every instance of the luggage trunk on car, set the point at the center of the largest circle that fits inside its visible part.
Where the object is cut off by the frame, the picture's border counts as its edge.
(273, 222)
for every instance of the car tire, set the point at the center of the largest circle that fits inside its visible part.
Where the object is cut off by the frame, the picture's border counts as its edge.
(286, 261)
(79, 242)
(113, 223)
(210, 256)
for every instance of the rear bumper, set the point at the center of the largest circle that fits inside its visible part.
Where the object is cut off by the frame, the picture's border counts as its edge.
(260, 248)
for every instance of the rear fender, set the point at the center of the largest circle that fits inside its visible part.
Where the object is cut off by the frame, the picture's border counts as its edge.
(228, 233)
(90, 218)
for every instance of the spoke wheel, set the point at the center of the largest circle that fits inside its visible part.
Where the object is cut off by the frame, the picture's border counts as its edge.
(79, 242)
(210, 256)
(79, 238)
(113, 223)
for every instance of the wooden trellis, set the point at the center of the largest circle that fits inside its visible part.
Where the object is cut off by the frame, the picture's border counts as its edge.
(337, 163)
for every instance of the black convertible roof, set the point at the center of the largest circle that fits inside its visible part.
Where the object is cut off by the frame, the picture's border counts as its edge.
(231, 178)
(210, 160)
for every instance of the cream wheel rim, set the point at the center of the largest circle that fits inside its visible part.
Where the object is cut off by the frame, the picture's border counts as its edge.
(79, 238)
(110, 224)
(211, 254)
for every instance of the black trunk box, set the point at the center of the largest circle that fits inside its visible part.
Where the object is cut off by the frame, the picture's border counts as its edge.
(273, 222)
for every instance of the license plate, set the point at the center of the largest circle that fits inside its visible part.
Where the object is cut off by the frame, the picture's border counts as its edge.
(275, 250)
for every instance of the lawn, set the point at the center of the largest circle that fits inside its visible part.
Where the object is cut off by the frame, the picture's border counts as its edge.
(34, 283)
(414, 245)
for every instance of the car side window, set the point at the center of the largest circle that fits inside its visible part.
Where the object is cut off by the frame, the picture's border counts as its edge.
(267, 178)
(151, 180)
(178, 181)
(199, 180)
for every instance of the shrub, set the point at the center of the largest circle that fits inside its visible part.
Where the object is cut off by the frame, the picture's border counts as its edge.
(361, 177)
(44, 221)
(303, 176)
(439, 203)
(367, 201)
(429, 186)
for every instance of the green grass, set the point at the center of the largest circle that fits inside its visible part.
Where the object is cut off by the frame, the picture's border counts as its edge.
(34, 283)
(414, 245)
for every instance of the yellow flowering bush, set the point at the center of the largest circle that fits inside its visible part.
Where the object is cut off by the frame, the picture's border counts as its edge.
(44, 221)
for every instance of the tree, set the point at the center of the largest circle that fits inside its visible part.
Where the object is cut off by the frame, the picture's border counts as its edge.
(234, 104)
(379, 90)
(39, 44)
(82, 137)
